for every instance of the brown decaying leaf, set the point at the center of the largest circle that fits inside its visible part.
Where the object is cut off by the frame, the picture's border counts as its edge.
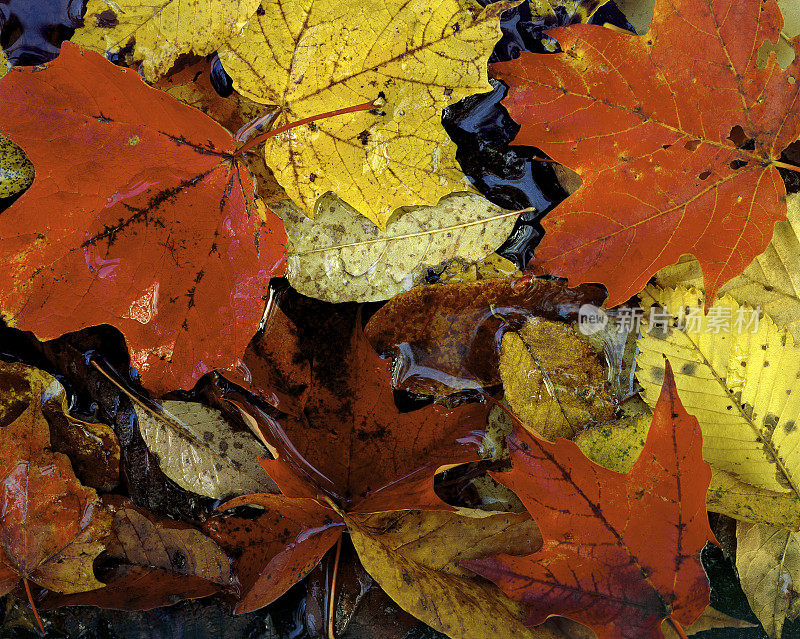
(150, 562)
(270, 557)
(349, 450)
(349, 415)
(52, 527)
(446, 337)
(133, 587)
(92, 447)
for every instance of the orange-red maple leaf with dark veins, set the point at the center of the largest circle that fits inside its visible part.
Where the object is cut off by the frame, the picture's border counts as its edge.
(348, 449)
(139, 216)
(621, 550)
(676, 135)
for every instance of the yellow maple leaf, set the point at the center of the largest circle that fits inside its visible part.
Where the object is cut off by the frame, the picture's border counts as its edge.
(314, 56)
(161, 30)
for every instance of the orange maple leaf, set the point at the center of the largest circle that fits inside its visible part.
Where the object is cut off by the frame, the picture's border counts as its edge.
(676, 134)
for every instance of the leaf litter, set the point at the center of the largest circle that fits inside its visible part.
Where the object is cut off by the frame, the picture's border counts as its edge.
(354, 449)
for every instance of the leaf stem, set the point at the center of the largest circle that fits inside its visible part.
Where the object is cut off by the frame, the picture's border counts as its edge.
(678, 628)
(784, 165)
(366, 106)
(332, 591)
(33, 605)
(536, 158)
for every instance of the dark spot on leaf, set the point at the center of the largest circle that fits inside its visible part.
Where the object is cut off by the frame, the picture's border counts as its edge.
(704, 175)
(178, 560)
(770, 422)
(106, 19)
(688, 368)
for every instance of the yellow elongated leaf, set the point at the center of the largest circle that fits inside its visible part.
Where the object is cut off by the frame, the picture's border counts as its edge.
(768, 561)
(201, 452)
(341, 257)
(616, 446)
(739, 500)
(310, 57)
(161, 30)
(771, 282)
(414, 557)
(3, 63)
(712, 618)
(553, 380)
(16, 170)
(743, 385)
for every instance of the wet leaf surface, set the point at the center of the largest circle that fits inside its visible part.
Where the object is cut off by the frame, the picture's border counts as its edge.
(446, 338)
(200, 450)
(376, 161)
(302, 375)
(191, 212)
(52, 526)
(658, 177)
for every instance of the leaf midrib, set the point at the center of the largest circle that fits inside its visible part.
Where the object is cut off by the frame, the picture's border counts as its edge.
(765, 442)
(405, 236)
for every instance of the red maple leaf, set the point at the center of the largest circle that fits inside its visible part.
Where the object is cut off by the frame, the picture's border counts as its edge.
(621, 551)
(676, 135)
(139, 216)
(348, 450)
